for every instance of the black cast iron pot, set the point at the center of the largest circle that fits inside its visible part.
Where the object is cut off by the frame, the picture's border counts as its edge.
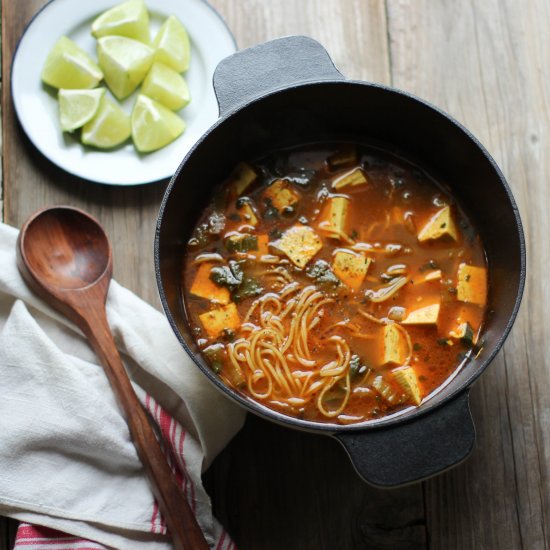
(287, 92)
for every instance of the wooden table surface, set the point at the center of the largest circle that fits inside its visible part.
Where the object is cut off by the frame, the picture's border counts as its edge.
(487, 63)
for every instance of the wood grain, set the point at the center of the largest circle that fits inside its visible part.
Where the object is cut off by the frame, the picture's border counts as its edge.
(484, 62)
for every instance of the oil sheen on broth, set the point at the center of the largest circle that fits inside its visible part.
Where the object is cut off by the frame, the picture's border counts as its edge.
(334, 283)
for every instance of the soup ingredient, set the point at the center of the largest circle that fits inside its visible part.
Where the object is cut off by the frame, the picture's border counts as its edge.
(332, 221)
(220, 319)
(441, 224)
(351, 179)
(166, 86)
(335, 310)
(76, 107)
(300, 243)
(351, 268)
(407, 379)
(69, 66)
(242, 178)
(109, 127)
(427, 315)
(153, 125)
(395, 345)
(124, 62)
(345, 157)
(130, 19)
(281, 196)
(204, 287)
(172, 45)
(472, 284)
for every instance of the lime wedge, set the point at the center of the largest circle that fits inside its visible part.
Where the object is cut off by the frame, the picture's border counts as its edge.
(153, 125)
(109, 127)
(172, 45)
(76, 107)
(69, 66)
(129, 19)
(124, 62)
(166, 86)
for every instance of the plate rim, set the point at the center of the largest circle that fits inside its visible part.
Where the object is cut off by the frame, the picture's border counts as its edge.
(91, 179)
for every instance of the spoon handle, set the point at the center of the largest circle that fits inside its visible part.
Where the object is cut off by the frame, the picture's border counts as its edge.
(182, 524)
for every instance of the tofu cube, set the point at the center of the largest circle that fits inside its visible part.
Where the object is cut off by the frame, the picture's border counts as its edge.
(332, 221)
(350, 267)
(282, 195)
(300, 243)
(426, 315)
(242, 178)
(204, 287)
(471, 284)
(219, 319)
(408, 381)
(394, 345)
(434, 276)
(247, 213)
(351, 179)
(346, 156)
(440, 225)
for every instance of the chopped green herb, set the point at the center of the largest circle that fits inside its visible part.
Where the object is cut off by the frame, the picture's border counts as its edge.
(417, 346)
(230, 276)
(442, 342)
(323, 274)
(356, 367)
(354, 234)
(216, 223)
(248, 288)
(234, 217)
(215, 355)
(243, 243)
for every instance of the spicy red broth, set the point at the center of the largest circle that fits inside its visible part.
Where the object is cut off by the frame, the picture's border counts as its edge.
(334, 283)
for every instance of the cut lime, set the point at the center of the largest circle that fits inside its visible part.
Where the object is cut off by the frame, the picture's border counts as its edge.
(153, 125)
(129, 19)
(166, 86)
(69, 66)
(172, 45)
(124, 62)
(76, 107)
(109, 127)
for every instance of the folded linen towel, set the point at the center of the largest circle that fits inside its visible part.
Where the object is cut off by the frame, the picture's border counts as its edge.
(66, 458)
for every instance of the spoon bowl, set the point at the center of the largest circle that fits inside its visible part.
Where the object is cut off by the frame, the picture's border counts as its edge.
(66, 247)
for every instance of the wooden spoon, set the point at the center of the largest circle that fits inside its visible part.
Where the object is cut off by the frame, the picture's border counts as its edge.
(64, 255)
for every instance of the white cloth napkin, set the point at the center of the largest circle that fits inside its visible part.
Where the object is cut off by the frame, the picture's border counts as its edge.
(66, 459)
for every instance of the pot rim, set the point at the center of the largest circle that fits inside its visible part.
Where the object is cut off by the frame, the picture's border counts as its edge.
(405, 415)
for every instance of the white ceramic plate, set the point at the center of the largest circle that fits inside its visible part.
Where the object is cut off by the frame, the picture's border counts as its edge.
(36, 104)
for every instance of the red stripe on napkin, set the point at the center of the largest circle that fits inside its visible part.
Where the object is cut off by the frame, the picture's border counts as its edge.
(34, 537)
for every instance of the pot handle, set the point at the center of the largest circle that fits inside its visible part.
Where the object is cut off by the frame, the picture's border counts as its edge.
(251, 73)
(416, 450)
